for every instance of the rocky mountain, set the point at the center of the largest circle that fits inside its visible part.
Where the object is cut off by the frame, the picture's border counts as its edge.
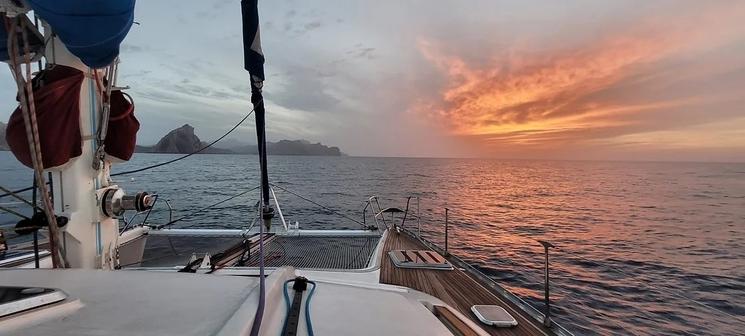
(183, 141)
(3, 144)
(180, 141)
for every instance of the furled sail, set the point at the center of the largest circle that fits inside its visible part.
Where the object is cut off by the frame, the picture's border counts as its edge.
(253, 57)
(91, 29)
(254, 63)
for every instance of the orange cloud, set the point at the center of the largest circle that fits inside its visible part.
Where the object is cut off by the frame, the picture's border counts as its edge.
(534, 94)
(620, 84)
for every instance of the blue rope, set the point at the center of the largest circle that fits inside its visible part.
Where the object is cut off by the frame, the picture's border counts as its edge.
(287, 301)
(308, 322)
(307, 309)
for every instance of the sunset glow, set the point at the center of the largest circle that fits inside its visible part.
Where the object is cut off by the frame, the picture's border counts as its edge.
(606, 90)
(522, 94)
(588, 80)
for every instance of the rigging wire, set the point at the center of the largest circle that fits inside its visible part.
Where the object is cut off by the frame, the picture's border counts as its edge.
(15, 192)
(320, 205)
(15, 195)
(13, 212)
(144, 221)
(205, 208)
(187, 155)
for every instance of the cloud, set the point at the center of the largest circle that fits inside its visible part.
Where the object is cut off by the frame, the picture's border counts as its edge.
(523, 90)
(305, 90)
(569, 79)
(312, 25)
(362, 52)
(609, 87)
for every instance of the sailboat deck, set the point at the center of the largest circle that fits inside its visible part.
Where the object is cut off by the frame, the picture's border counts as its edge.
(455, 287)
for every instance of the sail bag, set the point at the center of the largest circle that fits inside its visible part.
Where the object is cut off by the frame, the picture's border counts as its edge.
(121, 137)
(57, 101)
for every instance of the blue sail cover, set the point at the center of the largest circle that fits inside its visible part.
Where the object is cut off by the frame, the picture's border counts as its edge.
(91, 29)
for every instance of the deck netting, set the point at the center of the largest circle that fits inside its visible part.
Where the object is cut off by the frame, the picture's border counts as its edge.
(341, 252)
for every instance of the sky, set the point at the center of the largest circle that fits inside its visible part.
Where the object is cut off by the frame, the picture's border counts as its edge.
(589, 80)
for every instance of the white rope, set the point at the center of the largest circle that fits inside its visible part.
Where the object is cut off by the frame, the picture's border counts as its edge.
(28, 109)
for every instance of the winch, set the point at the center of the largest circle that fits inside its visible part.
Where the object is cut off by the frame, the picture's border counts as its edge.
(114, 201)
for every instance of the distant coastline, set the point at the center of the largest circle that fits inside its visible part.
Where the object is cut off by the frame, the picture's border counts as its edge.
(183, 140)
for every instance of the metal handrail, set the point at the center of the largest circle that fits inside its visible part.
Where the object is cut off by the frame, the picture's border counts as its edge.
(547, 319)
(446, 230)
(418, 218)
(369, 204)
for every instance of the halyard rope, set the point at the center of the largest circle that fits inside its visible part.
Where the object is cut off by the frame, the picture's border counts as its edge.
(28, 109)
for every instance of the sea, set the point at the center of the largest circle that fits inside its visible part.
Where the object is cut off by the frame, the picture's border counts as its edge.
(641, 248)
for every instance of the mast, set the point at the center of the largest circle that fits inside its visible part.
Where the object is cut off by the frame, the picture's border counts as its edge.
(89, 235)
(79, 43)
(254, 62)
(259, 113)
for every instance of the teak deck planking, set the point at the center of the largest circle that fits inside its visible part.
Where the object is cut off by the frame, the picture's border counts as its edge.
(455, 287)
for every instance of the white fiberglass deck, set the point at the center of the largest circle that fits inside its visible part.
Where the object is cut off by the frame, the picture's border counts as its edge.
(169, 303)
(128, 302)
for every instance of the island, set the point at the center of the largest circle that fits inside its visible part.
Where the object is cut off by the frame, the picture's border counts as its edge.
(183, 140)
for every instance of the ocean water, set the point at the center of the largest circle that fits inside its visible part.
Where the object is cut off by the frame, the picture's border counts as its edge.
(641, 248)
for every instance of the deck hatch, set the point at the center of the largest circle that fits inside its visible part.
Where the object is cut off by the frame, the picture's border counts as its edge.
(18, 299)
(494, 315)
(422, 259)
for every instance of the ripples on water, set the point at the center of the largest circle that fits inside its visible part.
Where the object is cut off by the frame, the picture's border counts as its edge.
(643, 248)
